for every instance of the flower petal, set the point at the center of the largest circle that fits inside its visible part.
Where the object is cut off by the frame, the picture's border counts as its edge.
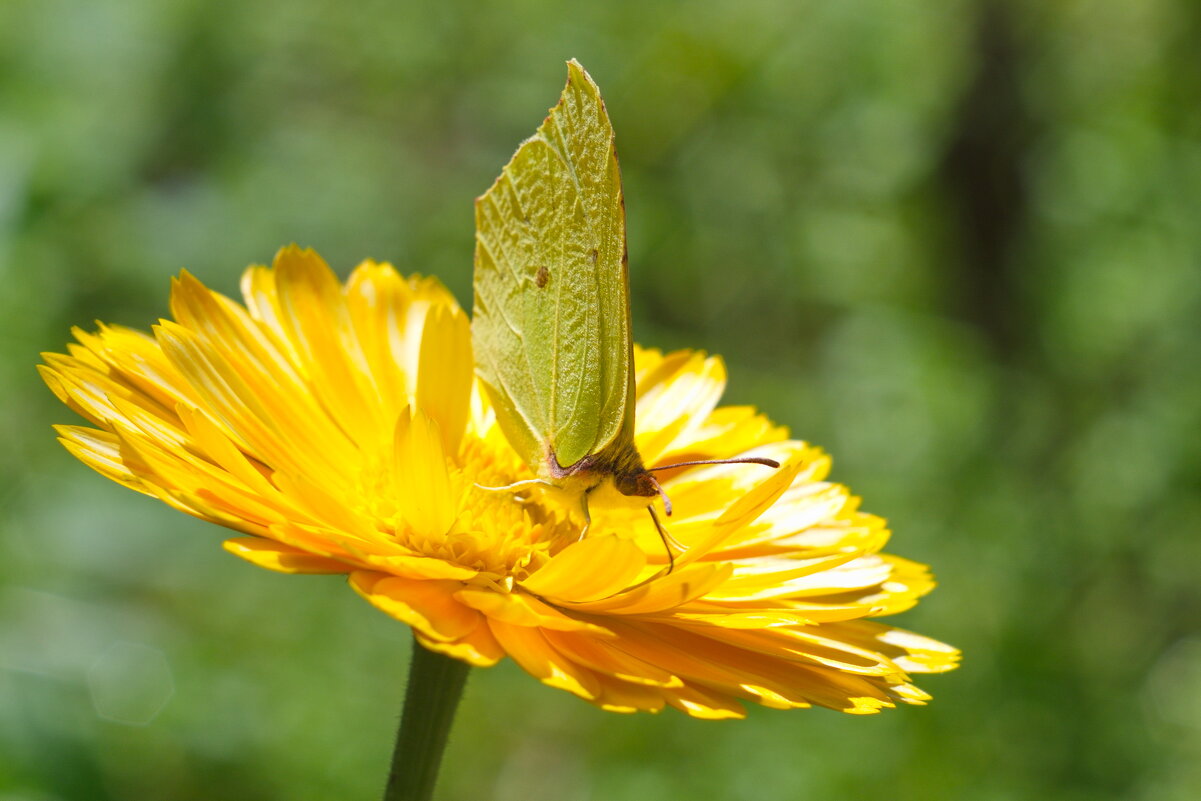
(704, 704)
(418, 567)
(427, 606)
(479, 648)
(379, 301)
(316, 321)
(422, 484)
(100, 451)
(274, 429)
(741, 512)
(444, 373)
(663, 592)
(537, 657)
(910, 651)
(677, 395)
(606, 659)
(594, 567)
(520, 609)
(622, 696)
(282, 558)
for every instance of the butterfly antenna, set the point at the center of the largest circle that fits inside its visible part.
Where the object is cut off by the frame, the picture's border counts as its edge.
(739, 460)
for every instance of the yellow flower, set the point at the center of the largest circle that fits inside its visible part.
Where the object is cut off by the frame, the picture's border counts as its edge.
(340, 430)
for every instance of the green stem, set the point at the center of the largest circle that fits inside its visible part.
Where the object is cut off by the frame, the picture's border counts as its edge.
(435, 686)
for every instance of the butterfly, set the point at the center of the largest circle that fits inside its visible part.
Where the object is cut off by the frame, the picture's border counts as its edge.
(551, 320)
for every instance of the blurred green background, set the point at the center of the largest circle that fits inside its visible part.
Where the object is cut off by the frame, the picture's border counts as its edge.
(957, 244)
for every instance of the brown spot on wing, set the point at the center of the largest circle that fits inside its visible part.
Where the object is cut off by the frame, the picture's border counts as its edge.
(542, 277)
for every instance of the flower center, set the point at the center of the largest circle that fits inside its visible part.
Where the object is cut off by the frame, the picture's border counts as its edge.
(500, 532)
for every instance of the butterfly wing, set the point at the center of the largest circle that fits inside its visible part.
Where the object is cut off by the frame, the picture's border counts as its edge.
(551, 326)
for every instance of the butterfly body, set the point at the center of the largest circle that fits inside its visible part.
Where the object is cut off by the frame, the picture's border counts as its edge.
(621, 468)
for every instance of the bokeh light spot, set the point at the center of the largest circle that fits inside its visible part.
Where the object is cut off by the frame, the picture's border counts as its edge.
(130, 683)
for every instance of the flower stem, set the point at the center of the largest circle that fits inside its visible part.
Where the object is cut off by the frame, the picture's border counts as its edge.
(435, 686)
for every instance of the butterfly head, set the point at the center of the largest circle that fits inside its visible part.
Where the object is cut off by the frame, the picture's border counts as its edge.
(641, 484)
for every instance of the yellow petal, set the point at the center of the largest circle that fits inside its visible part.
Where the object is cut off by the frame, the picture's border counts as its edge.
(675, 397)
(912, 652)
(418, 567)
(378, 301)
(815, 645)
(209, 437)
(93, 393)
(444, 373)
(322, 540)
(605, 659)
(422, 484)
(802, 506)
(209, 491)
(537, 657)
(622, 696)
(318, 324)
(714, 615)
(594, 567)
(741, 512)
(100, 451)
(261, 296)
(479, 648)
(230, 328)
(324, 504)
(704, 704)
(274, 429)
(427, 606)
(727, 432)
(665, 591)
(780, 577)
(714, 662)
(282, 558)
(135, 359)
(520, 609)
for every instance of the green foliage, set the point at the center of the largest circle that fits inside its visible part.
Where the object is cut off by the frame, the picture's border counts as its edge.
(954, 243)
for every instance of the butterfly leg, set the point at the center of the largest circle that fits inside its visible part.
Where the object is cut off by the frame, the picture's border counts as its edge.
(587, 514)
(516, 485)
(670, 543)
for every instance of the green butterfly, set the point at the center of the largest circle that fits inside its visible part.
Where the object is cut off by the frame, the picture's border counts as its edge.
(551, 324)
